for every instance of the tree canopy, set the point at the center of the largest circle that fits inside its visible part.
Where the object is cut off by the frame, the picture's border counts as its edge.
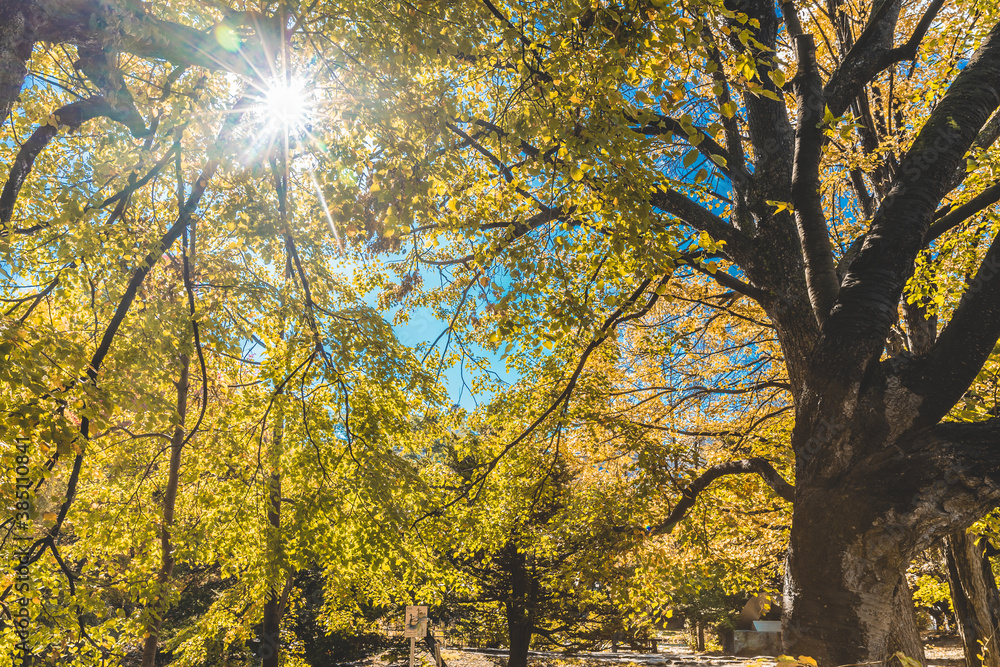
(714, 238)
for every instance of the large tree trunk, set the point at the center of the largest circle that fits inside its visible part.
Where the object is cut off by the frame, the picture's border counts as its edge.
(838, 604)
(520, 631)
(854, 533)
(974, 597)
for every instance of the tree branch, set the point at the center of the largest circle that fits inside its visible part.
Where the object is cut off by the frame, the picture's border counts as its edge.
(908, 51)
(817, 253)
(758, 466)
(687, 210)
(136, 31)
(868, 57)
(944, 479)
(945, 220)
(146, 36)
(866, 308)
(729, 282)
(768, 124)
(71, 116)
(986, 138)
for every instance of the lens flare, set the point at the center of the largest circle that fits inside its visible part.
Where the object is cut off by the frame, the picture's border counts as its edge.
(286, 103)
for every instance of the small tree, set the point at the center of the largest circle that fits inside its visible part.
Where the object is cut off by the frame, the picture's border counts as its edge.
(541, 539)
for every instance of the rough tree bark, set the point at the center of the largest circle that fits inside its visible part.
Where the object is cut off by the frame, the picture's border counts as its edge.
(974, 597)
(16, 43)
(904, 636)
(849, 544)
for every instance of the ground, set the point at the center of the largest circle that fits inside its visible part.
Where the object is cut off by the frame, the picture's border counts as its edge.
(941, 651)
(945, 651)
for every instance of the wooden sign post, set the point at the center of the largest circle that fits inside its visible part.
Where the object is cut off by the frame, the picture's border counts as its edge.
(416, 625)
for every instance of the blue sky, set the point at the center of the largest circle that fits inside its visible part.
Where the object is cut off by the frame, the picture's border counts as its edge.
(424, 327)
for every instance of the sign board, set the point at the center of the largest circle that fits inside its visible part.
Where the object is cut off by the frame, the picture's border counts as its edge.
(416, 621)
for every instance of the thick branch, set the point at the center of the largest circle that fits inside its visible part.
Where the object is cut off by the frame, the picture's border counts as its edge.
(768, 124)
(71, 116)
(791, 17)
(944, 374)
(908, 51)
(870, 54)
(101, 68)
(943, 479)
(128, 27)
(987, 137)
(867, 304)
(758, 466)
(989, 134)
(734, 142)
(139, 33)
(817, 253)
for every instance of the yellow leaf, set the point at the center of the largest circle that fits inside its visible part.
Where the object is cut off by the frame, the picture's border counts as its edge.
(576, 173)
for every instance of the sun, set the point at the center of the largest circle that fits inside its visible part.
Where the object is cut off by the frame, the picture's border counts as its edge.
(287, 104)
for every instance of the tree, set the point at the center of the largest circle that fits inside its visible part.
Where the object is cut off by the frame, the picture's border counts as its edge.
(587, 179)
(541, 543)
(283, 399)
(815, 197)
